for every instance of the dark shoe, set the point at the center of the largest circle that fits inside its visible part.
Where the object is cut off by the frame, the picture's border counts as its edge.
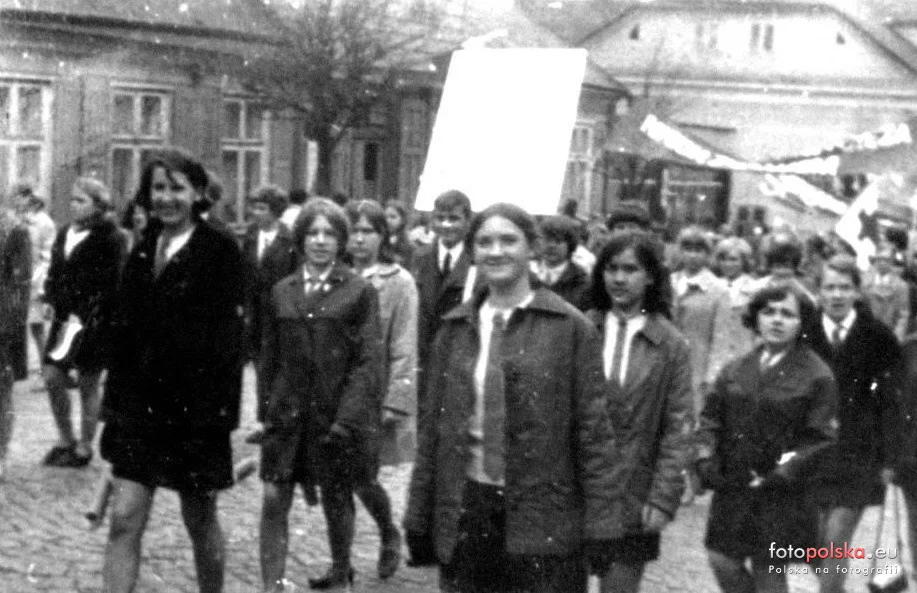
(390, 554)
(53, 457)
(80, 460)
(70, 458)
(335, 577)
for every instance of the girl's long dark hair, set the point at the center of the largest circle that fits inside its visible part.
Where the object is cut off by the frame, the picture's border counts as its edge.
(648, 252)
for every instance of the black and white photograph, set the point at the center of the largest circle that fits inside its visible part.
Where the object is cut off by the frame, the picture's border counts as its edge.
(458, 296)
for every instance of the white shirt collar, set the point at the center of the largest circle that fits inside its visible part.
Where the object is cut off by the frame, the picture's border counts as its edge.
(455, 252)
(176, 242)
(846, 323)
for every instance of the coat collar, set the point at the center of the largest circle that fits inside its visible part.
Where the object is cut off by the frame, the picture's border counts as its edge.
(543, 299)
(653, 330)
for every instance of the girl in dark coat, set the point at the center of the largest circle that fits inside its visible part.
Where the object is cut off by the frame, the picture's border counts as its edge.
(515, 458)
(648, 394)
(770, 415)
(80, 288)
(322, 367)
(15, 275)
(174, 384)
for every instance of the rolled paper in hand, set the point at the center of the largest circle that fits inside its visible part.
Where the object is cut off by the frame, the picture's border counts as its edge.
(96, 513)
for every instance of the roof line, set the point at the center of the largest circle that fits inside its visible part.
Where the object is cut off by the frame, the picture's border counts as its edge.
(903, 54)
(45, 17)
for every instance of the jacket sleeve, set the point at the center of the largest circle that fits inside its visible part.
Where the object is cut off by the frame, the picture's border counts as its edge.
(358, 409)
(401, 395)
(889, 405)
(819, 432)
(595, 440)
(52, 288)
(418, 517)
(270, 347)
(17, 270)
(673, 436)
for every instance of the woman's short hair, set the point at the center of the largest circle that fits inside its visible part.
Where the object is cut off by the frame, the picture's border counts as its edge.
(777, 291)
(314, 208)
(375, 216)
(96, 190)
(271, 196)
(563, 229)
(172, 160)
(735, 245)
(511, 212)
(694, 237)
(649, 254)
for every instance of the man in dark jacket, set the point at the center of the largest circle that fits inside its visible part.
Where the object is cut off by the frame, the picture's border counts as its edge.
(557, 270)
(862, 352)
(444, 273)
(269, 256)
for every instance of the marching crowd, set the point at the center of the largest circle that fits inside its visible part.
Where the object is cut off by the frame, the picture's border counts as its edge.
(560, 388)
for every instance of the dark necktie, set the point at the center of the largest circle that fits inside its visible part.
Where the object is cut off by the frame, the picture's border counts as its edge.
(618, 356)
(161, 259)
(837, 336)
(494, 403)
(447, 264)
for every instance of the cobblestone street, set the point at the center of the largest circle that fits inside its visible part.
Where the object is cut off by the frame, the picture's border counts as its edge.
(45, 545)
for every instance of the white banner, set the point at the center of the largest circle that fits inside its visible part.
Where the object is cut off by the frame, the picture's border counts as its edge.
(503, 129)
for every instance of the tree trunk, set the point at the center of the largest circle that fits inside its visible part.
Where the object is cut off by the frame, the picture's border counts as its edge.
(323, 176)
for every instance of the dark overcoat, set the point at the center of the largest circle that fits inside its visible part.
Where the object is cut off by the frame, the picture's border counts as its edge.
(15, 275)
(651, 414)
(773, 423)
(849, 474)
(437, 295)
(280, 259)
(323, 364)
(558, 443)
(177, 356)
(86, 284)
(573, 286)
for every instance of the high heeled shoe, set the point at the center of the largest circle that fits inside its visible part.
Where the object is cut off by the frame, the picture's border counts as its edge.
(335, 577)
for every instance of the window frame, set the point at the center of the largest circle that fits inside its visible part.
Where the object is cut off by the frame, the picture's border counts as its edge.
(15, 140)
(137, 142)
(242, 145)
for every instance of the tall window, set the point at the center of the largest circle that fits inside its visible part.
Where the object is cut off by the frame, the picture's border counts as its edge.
(578, 178)
(415, 129)
(706, 36)
(25, 135)
(762, 38)
(140, 126)
(245, 151)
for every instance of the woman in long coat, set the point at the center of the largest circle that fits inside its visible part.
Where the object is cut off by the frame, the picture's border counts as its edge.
(515, 456)
(174, 385)
(371, 255)
(648, 394)
(771, 414)
(322, 365)
(15, 273)
(81, 285)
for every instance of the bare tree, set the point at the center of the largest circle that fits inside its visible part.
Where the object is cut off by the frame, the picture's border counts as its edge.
(333, 60)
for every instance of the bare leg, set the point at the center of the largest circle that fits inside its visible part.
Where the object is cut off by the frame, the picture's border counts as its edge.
(199, 512)
(56, 380)
(37, 330)
(838, 524)
(731, 574)
(130, 511)
(275, 511)
(89, 394)
(6, 413)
